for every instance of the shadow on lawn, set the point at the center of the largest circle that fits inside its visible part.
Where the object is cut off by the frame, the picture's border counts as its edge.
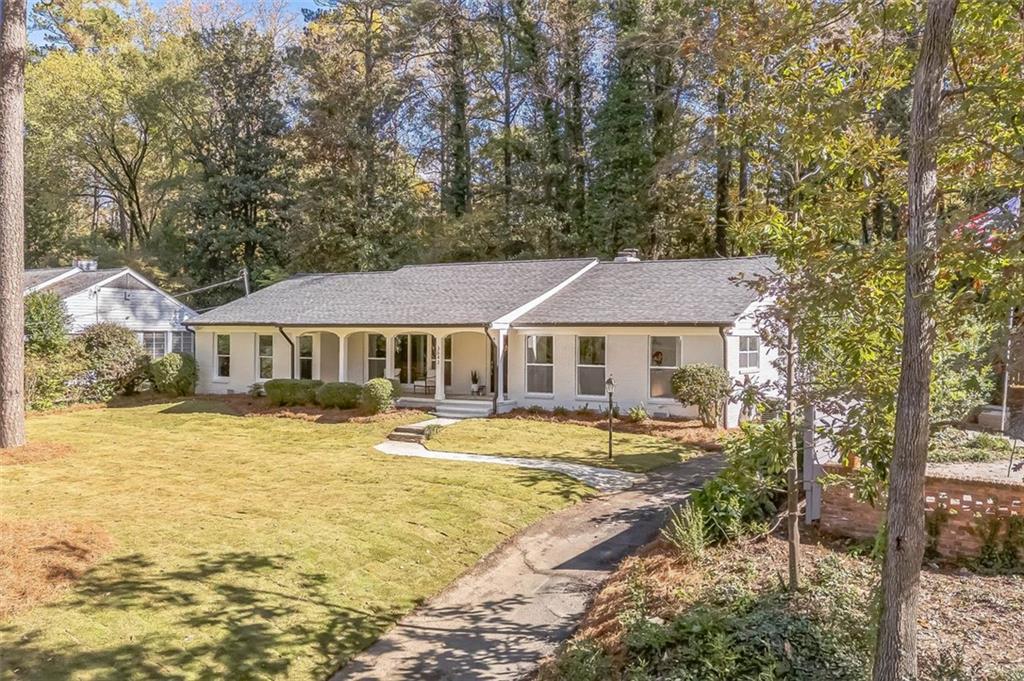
(234, 615)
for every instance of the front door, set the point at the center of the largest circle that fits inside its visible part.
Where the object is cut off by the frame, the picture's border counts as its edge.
(411, 357)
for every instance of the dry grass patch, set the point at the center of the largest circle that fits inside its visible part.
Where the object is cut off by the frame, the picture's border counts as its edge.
(39, 560)
(33, 452)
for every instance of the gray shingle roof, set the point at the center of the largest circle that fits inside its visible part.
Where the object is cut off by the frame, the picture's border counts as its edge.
(460, 294)
(652, 292)
(76, 283)
(30, 278)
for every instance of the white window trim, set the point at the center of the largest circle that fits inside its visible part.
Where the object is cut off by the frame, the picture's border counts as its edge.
(527, 364)
(181, 334)
(679, 363)
(366, 355)
(218, 378)
(260, 357)
(577, 366)
(756, 353)
(312, 353)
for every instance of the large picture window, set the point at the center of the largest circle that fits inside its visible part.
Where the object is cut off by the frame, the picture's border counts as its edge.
(590, 365)
(305, 357)
(540, 365)
(223, 348)
(376, 355)
(664, 361)
(750, 353)
(155, 343)
(265, 353)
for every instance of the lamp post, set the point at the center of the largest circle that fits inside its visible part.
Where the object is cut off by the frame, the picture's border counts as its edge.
(609, 387)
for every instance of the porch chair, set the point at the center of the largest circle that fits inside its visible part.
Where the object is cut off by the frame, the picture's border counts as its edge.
(428, 382)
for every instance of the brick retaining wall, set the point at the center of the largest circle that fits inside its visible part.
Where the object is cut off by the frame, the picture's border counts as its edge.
(962, 505)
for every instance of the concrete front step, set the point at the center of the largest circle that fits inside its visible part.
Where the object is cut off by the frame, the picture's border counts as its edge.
(405, 436)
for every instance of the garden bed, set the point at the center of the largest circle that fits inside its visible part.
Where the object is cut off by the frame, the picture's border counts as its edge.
(967, 621)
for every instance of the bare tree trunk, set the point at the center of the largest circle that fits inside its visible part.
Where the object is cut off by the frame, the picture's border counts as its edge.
(723, 172)
(896, 650)
(792, 474)
(12, 222)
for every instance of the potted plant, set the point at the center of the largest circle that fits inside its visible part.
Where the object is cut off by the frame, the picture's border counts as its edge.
(474, 380)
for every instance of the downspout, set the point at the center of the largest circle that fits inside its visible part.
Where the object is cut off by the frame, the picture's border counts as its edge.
(291, 362)
(725, 365)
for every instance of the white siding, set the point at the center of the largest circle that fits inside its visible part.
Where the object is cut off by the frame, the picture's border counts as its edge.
(139, 310)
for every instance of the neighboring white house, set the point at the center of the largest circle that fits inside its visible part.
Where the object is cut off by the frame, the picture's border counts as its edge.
(122, 296)
(550, 332)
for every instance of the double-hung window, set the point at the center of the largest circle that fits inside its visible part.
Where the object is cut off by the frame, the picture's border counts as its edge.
(223, 355)
(750, 353)
(155, 343)
(376, 355)
(265, 355)
(305, 357)
(181, 342)
(540, 365)
(664, 360)
(590, 365)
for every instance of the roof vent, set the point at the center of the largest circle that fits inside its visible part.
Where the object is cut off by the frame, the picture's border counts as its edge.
(628, 255)
(85, 265)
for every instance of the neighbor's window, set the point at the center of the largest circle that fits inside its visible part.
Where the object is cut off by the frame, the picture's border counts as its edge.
(223, 355)
(155, 343)
(750, 352)
(376, 355)
(181, 342)
(540, 365)
(590, 365)
(664, 361)
(265, 352)
(305, 357)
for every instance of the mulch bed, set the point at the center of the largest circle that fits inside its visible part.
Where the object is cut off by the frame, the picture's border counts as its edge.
(983, 614)
(40, 560)
(33, 452)
(686, 431)
(244, 405)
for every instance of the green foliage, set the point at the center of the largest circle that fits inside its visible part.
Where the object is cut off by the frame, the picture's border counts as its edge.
(685, 531)
(46, 324)
(292, 392)
(377, 395)
(49, 380)
(256, 390)
(1002, 548)
(114, 360)
(705, 386)
(951, 445)
(581, 660)
(340, 395)
(736, 633)
(963, 378)
(431, 431)
(638, 413)
(175, 374)
(744, 495)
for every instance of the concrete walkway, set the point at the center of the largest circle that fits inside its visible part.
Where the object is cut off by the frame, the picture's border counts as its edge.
(601, 479)
(514, 607)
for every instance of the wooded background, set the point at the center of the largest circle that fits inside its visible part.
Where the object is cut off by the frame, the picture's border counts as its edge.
(196, 139)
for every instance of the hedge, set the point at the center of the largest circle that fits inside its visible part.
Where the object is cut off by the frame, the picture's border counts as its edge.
(340, 395)
(175, 374)
(115, 361)
(292, 391)
(377, 395)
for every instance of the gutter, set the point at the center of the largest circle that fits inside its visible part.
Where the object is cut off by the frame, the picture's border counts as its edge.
(291, 362)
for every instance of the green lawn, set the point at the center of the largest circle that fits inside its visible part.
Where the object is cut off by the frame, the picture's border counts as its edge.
(565, 441)
(251, 547)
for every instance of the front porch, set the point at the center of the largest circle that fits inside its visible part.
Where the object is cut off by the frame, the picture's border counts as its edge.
(455, 406)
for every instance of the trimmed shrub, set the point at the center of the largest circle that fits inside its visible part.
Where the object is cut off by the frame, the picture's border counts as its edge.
(48, 379)
(175, 374)
(377, 395)
(638, 413)
(340, 395)
(115, 362)
(292, 392)
(705, 386)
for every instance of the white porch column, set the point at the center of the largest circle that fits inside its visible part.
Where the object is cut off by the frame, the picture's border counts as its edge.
(439, 369)
(342, 357)
(389, 358)
(499, 359)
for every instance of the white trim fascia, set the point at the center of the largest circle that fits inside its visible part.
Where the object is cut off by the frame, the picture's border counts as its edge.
(147, 283)
(505, 321)
(50, 282)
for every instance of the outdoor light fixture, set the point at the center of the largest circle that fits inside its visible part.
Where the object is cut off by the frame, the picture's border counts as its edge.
(609, 387)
